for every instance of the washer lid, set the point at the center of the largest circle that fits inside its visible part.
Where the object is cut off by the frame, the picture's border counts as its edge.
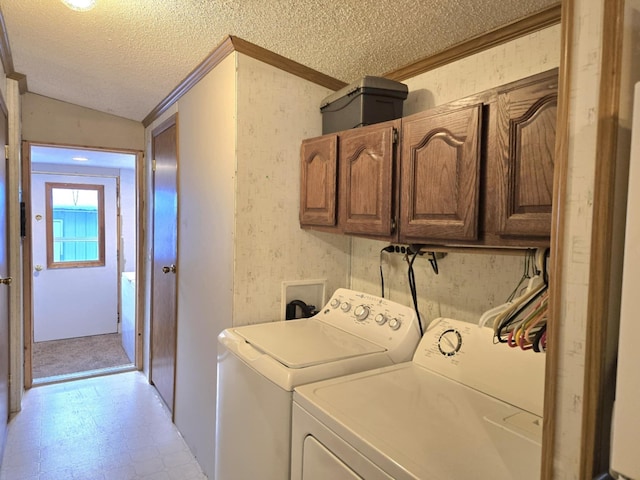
(306, 342)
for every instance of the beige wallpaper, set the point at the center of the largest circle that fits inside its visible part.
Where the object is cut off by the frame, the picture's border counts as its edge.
(276, 110)
(48, 120)
(583, 116)
(468, 284)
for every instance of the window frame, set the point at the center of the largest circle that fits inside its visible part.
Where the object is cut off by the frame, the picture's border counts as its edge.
(51, 263)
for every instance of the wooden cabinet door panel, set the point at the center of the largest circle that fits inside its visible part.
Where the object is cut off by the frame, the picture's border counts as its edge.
(440, 180)
(366, 175)
(525, 143)
(318, 177)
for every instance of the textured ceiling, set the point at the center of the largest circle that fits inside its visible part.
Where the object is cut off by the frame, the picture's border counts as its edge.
(125, 56)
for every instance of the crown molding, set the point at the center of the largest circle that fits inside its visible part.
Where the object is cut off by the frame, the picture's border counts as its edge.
(498, 36)
(229, 45)
(5, 50)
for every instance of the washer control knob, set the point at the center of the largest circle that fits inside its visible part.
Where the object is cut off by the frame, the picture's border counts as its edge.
(395, 323)
(380, 319)
(335, 303)
(361, 312)
(346, 306)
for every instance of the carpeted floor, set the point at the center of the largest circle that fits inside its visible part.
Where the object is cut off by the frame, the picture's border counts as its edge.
(73, 355)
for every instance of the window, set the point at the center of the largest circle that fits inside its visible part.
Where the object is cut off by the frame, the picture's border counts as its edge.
(75, 225)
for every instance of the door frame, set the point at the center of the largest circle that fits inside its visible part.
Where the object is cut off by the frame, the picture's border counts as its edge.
(27, 257)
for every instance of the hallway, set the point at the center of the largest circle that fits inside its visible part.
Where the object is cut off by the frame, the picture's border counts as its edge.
(113, 427)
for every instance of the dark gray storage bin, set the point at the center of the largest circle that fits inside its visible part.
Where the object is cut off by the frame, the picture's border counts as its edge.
(370, 100)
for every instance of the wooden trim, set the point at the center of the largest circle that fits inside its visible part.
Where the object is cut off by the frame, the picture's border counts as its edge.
(235, 44)
(5, 50)
(168, 123)
(7, 58)
(27, 257)
(141, 275)
(498, 36)
(283, 63)
(4, 109)
(21, 79)
(213, 59)
(27, 267)
(593, 458)
(556, 258)
(82, 147)
(100, 261)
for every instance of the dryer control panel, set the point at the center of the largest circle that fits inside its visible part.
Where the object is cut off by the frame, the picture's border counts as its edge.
(466, 353)
(379, 320)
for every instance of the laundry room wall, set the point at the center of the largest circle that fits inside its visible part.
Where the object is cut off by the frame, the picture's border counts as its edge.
(467, 284)
(276, 111)
(47, 120)
(239, 134)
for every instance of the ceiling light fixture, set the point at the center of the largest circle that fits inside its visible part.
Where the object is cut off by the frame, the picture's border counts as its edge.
(80, 5)
(80, 159)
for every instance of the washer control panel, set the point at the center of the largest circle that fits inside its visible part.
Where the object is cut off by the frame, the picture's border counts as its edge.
(376, 319)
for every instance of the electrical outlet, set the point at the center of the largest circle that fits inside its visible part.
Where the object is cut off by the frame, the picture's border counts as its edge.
(403, 249)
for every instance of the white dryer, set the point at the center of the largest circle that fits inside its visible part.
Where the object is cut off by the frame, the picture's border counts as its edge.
(259, 366)
(464, 408)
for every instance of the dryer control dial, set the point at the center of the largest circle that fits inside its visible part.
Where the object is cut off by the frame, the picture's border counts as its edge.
(335, 303)
(346, 306)
(380, 319)
(395, 323)
(450, 342)
(361, 312)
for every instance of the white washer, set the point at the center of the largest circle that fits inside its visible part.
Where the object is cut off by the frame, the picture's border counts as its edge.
(464, 408)
(259, 366)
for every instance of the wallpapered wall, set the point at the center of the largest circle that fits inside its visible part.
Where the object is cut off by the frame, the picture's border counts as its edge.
(276, 111)
(468, 284)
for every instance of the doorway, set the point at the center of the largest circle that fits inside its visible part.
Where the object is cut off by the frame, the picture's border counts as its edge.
(81, 258)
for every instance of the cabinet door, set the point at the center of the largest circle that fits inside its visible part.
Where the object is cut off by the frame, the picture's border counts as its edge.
(366, 179)
(525, 144)
(440, 180)
(318, 181)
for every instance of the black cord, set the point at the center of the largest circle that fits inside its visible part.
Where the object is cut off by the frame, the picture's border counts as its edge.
(413, 289)
(388, 248)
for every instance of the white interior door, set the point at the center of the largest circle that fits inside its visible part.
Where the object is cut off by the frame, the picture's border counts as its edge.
(77, 300)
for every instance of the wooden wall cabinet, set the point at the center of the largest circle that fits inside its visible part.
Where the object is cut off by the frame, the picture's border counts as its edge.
(475, 172)
(368, 197)
(319, 182)
(523, 157)
(440, 176)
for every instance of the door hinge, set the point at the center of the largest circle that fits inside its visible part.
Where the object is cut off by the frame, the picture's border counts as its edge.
(153, 165)
(6, 152)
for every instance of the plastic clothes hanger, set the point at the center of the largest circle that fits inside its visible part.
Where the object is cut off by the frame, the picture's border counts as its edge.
(491, 314)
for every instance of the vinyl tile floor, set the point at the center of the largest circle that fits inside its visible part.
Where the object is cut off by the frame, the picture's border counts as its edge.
(113, 427)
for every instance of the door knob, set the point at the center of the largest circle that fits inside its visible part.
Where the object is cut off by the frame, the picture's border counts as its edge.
(170, 268)
(38, 268)
(6, 281)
